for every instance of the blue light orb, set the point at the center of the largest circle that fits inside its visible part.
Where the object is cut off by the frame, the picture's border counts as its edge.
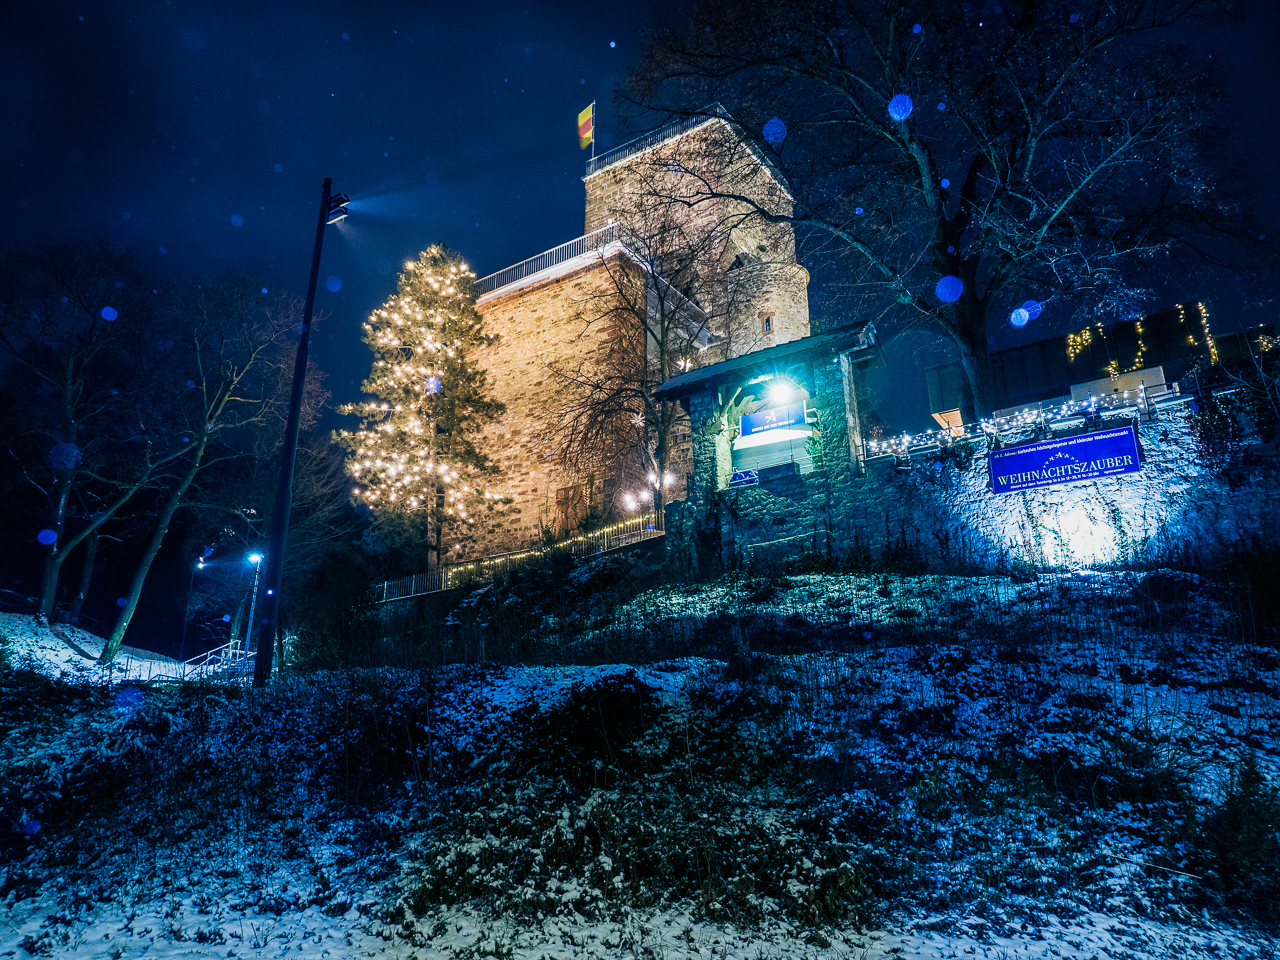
(30, 827)
(775, 131)
(900, 107)
(237, 220)
(1033, 308)
(942, 106)
(226, 618)
(951, 249)
(949, 289)
(264, 289)
(123, 601)
(432, 385)
(47, 537)
(334, 284)
(916, 28)
(128, 700)
(858, 211)
(64, 456)
(278, 168)
(1020, 318)
(109, 313)
(945, 184)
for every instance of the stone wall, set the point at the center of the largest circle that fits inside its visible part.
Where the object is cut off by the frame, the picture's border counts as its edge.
(940, 514)
(671, 190)
(539, 327)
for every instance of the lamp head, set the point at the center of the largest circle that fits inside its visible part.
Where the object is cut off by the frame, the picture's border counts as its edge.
(255, 558)
(337, 207)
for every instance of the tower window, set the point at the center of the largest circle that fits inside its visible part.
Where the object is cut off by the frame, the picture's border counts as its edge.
(766, 323)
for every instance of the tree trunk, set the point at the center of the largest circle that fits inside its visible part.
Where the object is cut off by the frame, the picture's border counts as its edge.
(153, 547)
(57, 551)
(86, 575)
(975, 360)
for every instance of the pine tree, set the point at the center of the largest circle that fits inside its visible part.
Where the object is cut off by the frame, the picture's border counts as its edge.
(414, 456)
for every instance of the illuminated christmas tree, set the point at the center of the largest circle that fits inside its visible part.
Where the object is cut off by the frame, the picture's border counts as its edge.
(414, 456)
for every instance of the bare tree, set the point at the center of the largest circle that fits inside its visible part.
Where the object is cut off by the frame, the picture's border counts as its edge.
(660, 308)
(222, 385)
(78, 325)
(960, 161)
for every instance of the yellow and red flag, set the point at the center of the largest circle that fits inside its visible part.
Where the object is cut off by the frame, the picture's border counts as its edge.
(587, 127)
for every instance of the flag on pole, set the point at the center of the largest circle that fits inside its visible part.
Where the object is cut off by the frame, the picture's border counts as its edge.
(587, 126)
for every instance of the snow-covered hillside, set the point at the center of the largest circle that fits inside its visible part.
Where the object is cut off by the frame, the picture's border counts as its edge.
(994, 785)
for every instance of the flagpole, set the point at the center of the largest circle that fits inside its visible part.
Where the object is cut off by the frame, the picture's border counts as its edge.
(593, 129)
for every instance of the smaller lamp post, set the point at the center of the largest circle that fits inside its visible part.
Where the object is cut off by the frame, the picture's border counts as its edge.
(256, 560)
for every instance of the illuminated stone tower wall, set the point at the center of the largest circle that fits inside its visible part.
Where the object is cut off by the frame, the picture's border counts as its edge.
(542, 319)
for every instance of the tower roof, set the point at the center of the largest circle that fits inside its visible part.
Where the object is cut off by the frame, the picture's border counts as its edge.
(679, 127)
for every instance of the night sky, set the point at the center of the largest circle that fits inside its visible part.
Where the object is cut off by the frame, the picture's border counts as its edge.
(197, 133)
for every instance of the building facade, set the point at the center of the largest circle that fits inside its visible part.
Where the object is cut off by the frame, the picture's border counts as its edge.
(665, 278)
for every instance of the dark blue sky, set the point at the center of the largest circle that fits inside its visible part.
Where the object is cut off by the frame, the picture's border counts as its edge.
(197, 133)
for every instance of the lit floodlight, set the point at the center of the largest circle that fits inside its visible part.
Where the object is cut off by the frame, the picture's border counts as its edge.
(779, 392)
(338, 208)
(255, 558)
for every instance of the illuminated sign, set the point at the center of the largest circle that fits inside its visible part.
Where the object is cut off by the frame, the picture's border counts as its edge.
(1089, 456)
(772, 419)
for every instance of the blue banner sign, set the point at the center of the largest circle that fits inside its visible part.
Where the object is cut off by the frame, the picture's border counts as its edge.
(1086, 457)
(744, 478)
(762, 420)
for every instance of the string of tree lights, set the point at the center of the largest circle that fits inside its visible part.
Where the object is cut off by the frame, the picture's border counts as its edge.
(414, 453)
(992, 427)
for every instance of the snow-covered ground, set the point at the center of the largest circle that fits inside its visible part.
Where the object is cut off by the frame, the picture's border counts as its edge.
(70, 653)
(312, 869)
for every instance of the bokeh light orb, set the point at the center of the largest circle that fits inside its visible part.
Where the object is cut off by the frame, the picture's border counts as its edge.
(1033, 308)
(1020, 318)
(900, 107)
(237, 220)
(47, 537)
(109, 313)
(775, 131)
(949, 289)
(334, 284)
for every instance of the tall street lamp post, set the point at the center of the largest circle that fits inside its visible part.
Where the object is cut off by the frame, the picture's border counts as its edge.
(332, 209)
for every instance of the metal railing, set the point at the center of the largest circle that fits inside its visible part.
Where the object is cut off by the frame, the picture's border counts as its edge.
(452, 575)
(228, 662)
(588, 243)
(665, 132)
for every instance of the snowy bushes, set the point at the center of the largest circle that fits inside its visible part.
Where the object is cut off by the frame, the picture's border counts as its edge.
(616, 800)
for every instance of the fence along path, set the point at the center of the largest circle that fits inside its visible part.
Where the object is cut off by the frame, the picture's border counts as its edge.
(451, 575)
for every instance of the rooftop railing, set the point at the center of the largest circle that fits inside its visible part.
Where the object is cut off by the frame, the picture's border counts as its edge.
(654, 137)
(590, 243)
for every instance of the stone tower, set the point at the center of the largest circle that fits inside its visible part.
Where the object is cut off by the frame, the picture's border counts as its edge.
(683, 173)
(651, 205)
